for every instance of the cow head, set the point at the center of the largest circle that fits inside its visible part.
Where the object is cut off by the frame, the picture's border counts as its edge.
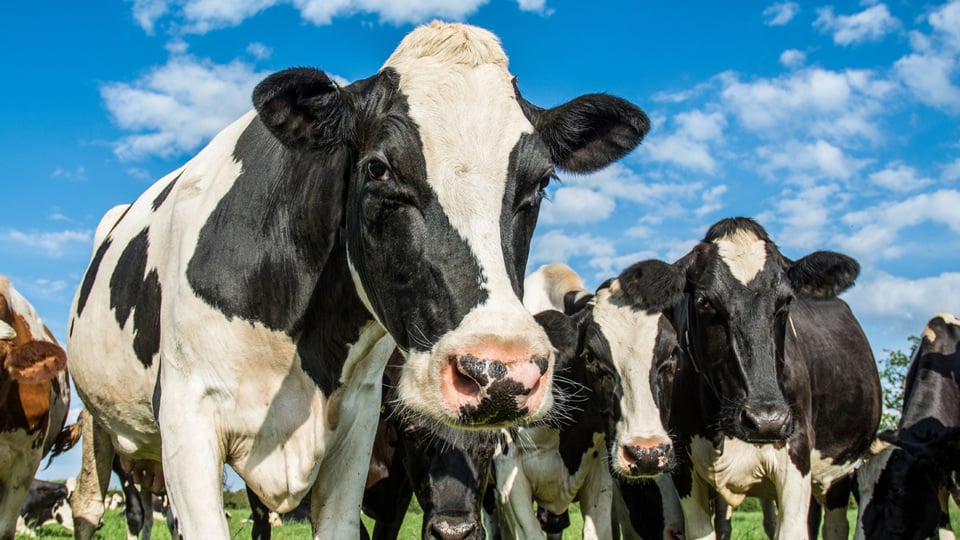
(899, 485)
(27, 350)
(630, 347)
(444, 168)
(738, 289)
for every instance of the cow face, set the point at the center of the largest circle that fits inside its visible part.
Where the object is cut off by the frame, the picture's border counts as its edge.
(630, 348)
(444, 169)
(899, 486)
(738, 293)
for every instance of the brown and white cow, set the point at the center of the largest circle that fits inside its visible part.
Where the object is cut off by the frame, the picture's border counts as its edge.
(34, 399)
(226, 314)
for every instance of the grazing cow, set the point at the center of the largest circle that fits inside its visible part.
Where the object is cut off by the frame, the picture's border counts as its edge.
(619, 364)
(764, 400)
(904, 486)
(34, 400)
(47, 501)
(447, 471)
(226, 311)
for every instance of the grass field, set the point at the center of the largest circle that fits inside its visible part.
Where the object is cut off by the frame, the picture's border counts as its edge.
(746, 526)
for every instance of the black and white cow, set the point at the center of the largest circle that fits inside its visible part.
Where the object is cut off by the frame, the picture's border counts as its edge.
(618, 370)
(904, 486)
(225, 314)
(47, 501)
(777, 393)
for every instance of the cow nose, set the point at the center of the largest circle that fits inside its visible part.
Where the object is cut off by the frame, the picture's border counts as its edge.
(442, 528)
(766, 422)
(646, 457)
(491, 391)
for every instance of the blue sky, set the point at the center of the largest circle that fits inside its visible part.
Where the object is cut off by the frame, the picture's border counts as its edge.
(833, 124)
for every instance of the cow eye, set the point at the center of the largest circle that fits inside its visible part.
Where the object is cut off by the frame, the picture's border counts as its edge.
(378, 170)
(703, 303)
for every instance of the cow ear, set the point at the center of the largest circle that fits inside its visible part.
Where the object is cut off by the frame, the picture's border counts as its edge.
(652, 285)
(304, 109)
(823, 274)
(562, 332)
(35, 361)
(588, 133)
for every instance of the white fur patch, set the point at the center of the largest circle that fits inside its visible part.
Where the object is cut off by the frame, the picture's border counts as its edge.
(743, 253)
(19, 305)
(825, 473)
(947, 317)
(632, 336)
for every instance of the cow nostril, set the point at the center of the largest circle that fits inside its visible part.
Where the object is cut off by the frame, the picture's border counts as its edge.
(467, 376)
(748, 421)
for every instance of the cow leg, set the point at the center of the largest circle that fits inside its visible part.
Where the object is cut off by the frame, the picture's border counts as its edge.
(836, 499)
(260, 515)
(133, 507)
(14, 487)
(337, 493)
(146, 501)
(697, 511)
(596, 503)
(86, 502)
(793, 500)
(192, 467)
(388, 525)
(515, 513)
(721, 518)
(769, 509)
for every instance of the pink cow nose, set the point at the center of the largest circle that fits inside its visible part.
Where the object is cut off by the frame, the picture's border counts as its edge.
(488, 388)
(646, 456)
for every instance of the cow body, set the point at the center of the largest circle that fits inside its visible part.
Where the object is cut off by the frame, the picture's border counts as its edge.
(762, 401)
(227, 315)
(618, 374)
(905, 485)
(34, 399)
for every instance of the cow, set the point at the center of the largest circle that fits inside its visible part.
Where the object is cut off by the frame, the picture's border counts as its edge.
(47, 501)
(446, 470)
(34, 400)
(617, 362)
(904, 486)
(648, 509)
(777, 392)
(224, 314)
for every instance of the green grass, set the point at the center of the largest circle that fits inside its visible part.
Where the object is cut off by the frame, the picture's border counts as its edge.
(746, 526)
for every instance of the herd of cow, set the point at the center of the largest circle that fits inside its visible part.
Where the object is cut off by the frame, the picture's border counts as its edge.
(330, 298)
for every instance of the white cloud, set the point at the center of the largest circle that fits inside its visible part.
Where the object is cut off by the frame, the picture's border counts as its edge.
(928, 76)
(899, 177)
(77, 173)
(202, 16)
(951, 172)
(259, 50)
(689, 144)
(711, 200)
(913, 301)
(780, 13)
(803, 216)
(576, 205)
(818, 159)
(877, 228)
(52, 243)
(946, 21)
(792, 58)
(556, 246)
(812, 101)
(178, 106)
(871, 24)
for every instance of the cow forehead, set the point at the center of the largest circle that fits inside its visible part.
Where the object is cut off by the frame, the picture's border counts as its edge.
(948, 318)
(743, 253)
(632, 334)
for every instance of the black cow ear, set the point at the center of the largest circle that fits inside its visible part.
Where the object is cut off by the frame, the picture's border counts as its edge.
(304, 109)
(823, 274)
(652, 285)
(589, 132)
(562, 332)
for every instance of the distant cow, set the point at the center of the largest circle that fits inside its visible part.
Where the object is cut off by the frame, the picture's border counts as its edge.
(904, 487)
(616, 364)
(223, 313)
(34, 399)
(777, 393)
(47, 501)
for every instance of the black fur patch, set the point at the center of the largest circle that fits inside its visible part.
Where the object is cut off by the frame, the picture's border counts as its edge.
(132, 291)
(90, 277)
(162, 196)
(823, 274)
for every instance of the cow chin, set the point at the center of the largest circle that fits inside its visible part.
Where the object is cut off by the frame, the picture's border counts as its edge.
(490, 397)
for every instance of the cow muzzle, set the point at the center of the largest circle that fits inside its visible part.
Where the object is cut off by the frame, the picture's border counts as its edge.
(645, 457)
(452, 528)
(493, 387)
(770, 422)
